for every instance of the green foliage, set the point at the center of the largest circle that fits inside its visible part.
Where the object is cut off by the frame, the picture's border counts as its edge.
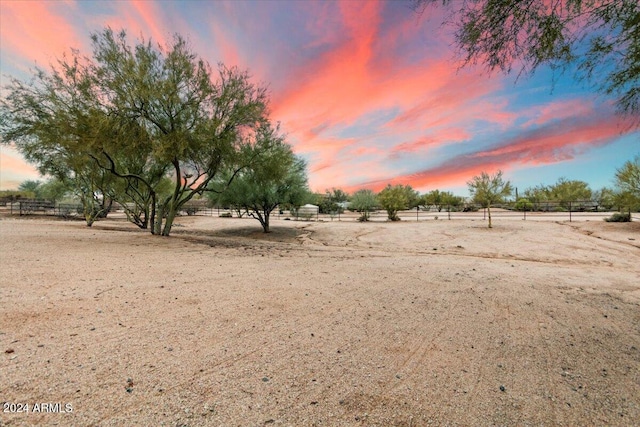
(363, 201)
(396, 198)
(273, 175)
(489, 189)
(626, 201)
(440, 199)
(564, 192)
(619, 217)
(567, 191)
(54, 189)
(523, 205)
(30, 187)
(329, 202)
(600, 37)
(628, 177)
(452, 202)
(605, 197)
(118, 123)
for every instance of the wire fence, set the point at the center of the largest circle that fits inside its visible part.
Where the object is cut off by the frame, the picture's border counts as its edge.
(570, 211)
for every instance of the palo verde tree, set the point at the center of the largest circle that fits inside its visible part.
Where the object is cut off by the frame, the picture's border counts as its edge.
(627, 180)
(602, 38)
(566, 191)
(51, 121)
(138, 113)
(194, 120)
(270, 174)
(396, 198)
(489, 189)
(628, 177)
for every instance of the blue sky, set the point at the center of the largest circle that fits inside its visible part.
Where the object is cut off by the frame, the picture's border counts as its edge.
(368, 92)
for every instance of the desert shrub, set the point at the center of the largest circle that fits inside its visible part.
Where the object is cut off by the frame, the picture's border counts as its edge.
(619, 217)
(523, 205)
(225, 215)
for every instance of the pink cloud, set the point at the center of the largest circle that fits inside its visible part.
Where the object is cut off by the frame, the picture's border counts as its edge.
(446, 136)
(554, 142)
(27, 38)
(559, 110)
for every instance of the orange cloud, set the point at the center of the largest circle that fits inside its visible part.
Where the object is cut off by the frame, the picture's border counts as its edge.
(555, 142)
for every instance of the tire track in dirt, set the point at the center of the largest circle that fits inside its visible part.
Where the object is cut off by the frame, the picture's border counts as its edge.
(422, 346)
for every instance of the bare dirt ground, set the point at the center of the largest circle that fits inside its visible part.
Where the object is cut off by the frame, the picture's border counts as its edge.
(327, 324)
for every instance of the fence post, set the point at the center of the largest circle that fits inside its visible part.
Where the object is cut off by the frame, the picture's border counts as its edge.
(569, 211)
(525, 213)
(449, 212)
(417, 212)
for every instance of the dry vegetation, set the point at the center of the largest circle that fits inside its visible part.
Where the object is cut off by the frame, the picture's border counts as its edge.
(342, 323)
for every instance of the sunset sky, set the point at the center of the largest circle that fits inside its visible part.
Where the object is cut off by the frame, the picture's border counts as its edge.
(368, 92)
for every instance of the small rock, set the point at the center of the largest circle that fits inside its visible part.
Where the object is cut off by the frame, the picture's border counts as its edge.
(502, 388)
(9, 350)
(265, 379)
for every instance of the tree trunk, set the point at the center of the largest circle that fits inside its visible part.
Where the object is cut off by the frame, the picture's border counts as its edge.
(489, 214)
(265, 222)
(168, 223)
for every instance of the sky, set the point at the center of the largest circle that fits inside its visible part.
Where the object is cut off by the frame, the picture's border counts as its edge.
(368, 92)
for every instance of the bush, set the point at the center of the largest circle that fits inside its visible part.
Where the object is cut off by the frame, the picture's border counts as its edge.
(619, 217)
(523, 205)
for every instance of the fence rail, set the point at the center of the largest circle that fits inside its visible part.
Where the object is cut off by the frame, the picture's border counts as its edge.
(575, 211)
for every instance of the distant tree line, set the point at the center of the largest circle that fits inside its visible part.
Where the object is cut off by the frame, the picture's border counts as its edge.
(278, 180)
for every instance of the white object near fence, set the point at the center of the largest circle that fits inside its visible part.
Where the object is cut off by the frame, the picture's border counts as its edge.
(308, 211)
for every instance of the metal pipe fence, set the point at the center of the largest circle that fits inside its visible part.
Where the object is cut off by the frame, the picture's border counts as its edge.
(570, 211)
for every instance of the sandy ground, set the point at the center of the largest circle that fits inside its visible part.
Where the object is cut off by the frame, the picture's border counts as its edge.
(321, 323)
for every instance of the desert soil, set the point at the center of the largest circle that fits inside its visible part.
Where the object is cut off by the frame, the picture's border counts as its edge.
(320, 323)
